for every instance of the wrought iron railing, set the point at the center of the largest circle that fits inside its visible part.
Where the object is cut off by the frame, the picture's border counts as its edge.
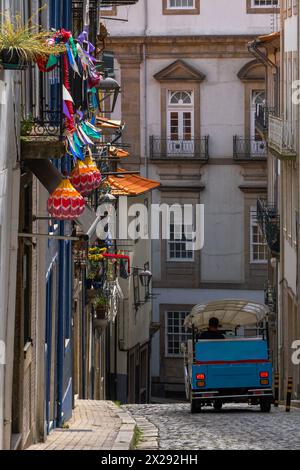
(197, 148)
(262, 117)
(42, 117)
(249, 149)
(282, 137)
(268, 220)
(77, 18)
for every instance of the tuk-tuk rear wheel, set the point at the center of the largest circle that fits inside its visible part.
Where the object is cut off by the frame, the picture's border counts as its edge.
(265, 406)
(218, 405)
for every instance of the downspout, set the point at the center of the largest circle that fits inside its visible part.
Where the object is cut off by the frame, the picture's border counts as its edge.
(261, 57)
(253, 48)
(145, 88)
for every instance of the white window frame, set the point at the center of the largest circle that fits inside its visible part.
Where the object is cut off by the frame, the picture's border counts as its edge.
(255, 5)
(254, 223)
(181, 7)
(180, 109)
(183, 335)
(179, 260)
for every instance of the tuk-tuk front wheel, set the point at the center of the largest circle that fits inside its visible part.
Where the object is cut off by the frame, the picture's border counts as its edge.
(195, 406)
(265, 406)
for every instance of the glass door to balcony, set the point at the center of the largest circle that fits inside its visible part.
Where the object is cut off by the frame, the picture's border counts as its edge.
(258, 145)
(180, 125)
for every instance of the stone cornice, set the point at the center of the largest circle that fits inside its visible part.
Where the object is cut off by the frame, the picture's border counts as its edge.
(254, 189)
(190, 189)
(131, 47)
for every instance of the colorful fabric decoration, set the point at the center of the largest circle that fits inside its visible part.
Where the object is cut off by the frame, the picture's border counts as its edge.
(65, 203)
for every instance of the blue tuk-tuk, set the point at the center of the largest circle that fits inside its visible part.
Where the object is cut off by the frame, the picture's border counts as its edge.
(236, 369)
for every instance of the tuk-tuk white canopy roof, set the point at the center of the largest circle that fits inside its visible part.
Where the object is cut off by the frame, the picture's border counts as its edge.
(230, 313)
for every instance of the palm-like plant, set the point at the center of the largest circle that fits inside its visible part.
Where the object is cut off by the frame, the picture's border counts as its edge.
(23, 42)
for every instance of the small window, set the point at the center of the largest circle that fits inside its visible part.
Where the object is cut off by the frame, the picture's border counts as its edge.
(187, 4)
(180, 245)
(175, 333)
(181, 7)
(262, 6)
(258, 246)
(265, 3)
(181, 98)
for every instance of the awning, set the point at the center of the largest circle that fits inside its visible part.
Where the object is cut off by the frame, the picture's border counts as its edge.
(117, 152)
(269, 37)
(230, 313)
(105, 123)
(50, 178)
(130, 185)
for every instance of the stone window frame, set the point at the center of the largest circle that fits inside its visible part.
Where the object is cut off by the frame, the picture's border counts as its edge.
(261, 10)
(166, 10)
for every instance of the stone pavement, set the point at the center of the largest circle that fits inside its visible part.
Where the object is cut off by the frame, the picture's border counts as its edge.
(236, 427)
(95, 425)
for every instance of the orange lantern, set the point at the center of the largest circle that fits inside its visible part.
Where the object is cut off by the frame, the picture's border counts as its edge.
(89, 162)
(82, 178)
(65, 203)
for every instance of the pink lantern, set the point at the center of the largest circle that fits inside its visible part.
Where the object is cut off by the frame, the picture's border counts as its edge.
(65, 203)
(89, 162)
(82, 178)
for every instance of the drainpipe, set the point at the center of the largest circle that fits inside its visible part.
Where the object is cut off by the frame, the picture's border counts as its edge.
(145, 87)
(253, 48)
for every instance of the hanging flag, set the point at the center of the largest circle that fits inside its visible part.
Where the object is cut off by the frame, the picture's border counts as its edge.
(67, 95)
(66, 110)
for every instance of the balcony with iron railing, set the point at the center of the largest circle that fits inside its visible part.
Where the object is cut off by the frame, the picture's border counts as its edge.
(249, 149)
(282, 141)
(41, 115)
(168, 149)
(268, 220)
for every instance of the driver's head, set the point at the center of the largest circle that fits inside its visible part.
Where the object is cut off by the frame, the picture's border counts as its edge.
(213, 323)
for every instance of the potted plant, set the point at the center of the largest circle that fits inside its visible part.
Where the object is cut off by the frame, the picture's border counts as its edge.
(21, 43)
(100, 306)
(27, 126)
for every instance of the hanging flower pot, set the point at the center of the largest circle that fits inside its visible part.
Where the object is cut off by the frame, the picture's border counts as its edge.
(82, 178)
(11, 60)
(89, 162)
(65, 203)
(22, 43)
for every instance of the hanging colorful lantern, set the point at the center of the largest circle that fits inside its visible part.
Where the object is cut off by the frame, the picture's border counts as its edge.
(89, 162)
(82, 178)
(65, 203)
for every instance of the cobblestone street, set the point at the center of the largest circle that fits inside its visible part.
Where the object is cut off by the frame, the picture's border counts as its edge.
(235, 427)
